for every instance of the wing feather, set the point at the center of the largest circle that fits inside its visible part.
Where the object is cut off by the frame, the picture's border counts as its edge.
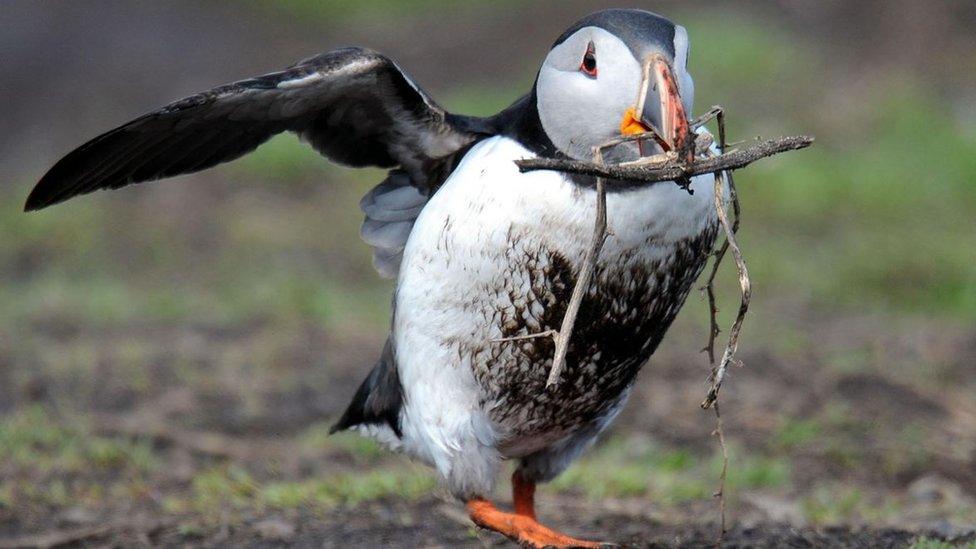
(352, 105)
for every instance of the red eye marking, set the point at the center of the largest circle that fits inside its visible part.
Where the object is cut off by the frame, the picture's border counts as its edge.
(588, 65)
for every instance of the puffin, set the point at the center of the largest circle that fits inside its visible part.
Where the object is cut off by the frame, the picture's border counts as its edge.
(483, 255)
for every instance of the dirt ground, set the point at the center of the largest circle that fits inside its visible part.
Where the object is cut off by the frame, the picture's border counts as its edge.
(172, 356)
(194, 449)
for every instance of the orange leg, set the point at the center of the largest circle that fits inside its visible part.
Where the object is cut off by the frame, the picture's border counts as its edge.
(523, 494)
(521, 525)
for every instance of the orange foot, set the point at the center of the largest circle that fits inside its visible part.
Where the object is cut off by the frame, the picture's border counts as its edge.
(522, 529)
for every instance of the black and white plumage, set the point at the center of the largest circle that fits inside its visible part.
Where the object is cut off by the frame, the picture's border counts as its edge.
(480, 250)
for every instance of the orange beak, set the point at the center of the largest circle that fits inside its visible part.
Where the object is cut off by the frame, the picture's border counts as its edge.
(659, 108)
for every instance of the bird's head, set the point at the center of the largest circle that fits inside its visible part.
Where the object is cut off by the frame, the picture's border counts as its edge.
(617, 72)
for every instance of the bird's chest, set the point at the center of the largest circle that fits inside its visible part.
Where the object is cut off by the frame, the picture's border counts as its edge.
(500, 252)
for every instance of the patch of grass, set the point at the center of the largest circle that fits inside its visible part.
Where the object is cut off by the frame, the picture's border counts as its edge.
(622, 468)
(49, 463)
(234, 488)
(826, 507)
(229, 486)
(755, 472)
(845, 504)
(32, 442)
(283, 160)
(349, 488)
(628, 468)
(364, 449)
(795, 433)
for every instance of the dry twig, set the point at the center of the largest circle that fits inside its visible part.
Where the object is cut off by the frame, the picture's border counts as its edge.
(585, 274)
(720, 493)
(561, 337)
(719, 431)
(717, 375)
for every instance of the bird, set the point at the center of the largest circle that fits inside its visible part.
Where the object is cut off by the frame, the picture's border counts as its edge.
(483, 255)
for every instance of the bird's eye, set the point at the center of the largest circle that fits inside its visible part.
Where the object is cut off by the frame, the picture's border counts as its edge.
(588, 66)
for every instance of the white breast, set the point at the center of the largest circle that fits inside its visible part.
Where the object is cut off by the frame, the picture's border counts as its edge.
(457, 254)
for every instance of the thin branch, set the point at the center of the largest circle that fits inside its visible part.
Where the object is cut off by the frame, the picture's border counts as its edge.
(583, 279)
(745, 287)
(709, 115)
(709, 289)
(720, 493)
(671, 170)
(719, 432)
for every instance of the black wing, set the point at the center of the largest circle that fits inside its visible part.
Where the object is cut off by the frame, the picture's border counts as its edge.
(353, 105)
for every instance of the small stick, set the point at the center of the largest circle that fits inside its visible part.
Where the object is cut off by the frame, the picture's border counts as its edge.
(720, 493)
(583, 279)
(745, 286)
(718, 113)
(588, 267)
(719, 432)
(710, 115)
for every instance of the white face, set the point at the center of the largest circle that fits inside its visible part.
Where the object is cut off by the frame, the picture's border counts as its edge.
(579, 109)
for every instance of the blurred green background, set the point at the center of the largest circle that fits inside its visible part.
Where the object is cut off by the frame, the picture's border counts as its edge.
(239, 303)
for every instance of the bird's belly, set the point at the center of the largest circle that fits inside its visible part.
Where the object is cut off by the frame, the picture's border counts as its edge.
(495, 254)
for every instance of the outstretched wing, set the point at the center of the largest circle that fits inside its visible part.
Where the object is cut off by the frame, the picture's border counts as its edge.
(353, 105)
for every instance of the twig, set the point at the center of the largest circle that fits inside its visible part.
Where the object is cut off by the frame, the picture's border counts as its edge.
(587, 268)
(583, 279)
(745, 286)
(712, 113)
(671, 170)
(719, 432)
(709, 287)
(720, 493)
